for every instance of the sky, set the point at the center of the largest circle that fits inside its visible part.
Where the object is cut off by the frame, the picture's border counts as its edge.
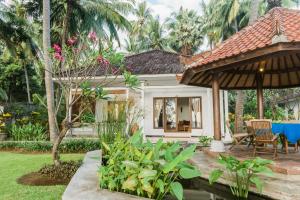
(163, 8)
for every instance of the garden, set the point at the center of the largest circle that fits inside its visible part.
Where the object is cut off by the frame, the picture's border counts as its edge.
(59, 61)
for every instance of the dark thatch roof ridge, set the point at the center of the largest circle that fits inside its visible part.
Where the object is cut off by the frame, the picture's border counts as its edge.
(155, 62)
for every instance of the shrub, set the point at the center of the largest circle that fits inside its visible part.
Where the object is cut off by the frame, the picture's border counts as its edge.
(205, 140)
(242, 174)
(67, 146)
(146, 169)
(29, 132)
(87, 117)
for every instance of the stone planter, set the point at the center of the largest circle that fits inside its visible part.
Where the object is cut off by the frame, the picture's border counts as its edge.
(85, 183)
(3, 136)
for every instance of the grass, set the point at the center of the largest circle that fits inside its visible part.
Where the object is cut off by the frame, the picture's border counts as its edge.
(14, 165)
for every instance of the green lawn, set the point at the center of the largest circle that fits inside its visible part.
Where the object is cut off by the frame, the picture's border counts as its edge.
(14, 165)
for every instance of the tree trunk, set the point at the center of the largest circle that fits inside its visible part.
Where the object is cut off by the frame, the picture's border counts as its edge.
(48, 71)
(240, 97)
(55, 152)
(239, 111)
(66, 23)
(27, 84)
(253, 11)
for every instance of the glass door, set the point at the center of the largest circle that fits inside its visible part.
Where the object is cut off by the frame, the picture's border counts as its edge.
(170, 114)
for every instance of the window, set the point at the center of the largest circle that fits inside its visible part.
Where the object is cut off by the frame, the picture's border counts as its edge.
(177, 113)
(158, 113)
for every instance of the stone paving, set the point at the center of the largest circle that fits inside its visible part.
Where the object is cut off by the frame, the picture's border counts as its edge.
(281, 186)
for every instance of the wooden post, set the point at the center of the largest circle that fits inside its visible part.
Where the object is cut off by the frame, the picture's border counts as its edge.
(216, 106)
(260, 96)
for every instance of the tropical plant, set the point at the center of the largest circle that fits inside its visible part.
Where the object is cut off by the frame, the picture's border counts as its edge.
(87, 117)
(105, 17)
(185, 31)
(17, 35)
(205, 140)
(155, 38)
(241, 174)
(146, 169)
(3, 95)
(74, 65)
(32, 132)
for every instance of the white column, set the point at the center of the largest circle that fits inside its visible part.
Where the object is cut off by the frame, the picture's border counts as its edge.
(101, 110)
(227, 138)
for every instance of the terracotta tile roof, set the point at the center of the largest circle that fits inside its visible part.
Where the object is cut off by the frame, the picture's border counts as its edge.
(278, 21)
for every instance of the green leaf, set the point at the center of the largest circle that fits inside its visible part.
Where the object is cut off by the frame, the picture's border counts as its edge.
(177, 190)
(136, 138)
(187, 173)
(130, 164)
(162, 162)
(106, 146)
(184, 155)
(130, 183)
(215, 175)
(160, 184)
(258, 183)
(148, 188)
(147, 173)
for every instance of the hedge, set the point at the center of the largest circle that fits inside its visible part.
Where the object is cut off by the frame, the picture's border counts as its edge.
(67, 145)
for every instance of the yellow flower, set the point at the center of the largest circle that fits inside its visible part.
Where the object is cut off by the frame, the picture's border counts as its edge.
(2, 125)
(7, 115)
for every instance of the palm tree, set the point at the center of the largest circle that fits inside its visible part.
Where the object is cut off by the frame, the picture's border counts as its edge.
(17, 34)
(138, 38)
(155, 32)
(143, 14)
(105, 17)
(48, 70)
(185, 31)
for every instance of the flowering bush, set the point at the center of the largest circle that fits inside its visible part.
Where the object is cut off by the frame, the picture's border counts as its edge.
(4, 118)
(75, 66)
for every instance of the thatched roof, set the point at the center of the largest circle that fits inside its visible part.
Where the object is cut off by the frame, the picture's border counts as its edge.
(150, 62)
(154, 62)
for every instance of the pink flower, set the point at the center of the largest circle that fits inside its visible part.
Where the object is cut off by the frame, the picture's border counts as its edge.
(115, 70)
(58, 56)
(56, 48)
(92, 36)
(102, 60)
(71, 41)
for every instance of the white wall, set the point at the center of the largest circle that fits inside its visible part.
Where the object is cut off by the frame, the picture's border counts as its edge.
(181, 91)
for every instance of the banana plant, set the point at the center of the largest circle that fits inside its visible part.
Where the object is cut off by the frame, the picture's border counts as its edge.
(145, 169)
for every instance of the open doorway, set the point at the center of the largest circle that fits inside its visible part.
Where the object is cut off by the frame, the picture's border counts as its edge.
(184, 116)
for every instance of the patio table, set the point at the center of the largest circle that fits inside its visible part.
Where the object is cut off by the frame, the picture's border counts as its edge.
(290, 130)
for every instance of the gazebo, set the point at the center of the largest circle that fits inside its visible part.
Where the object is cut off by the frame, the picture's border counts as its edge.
(264, 55)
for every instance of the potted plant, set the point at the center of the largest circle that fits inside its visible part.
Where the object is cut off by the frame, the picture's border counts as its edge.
(205, 141)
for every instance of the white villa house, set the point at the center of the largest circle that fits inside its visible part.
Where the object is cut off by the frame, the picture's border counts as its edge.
(167, 109)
